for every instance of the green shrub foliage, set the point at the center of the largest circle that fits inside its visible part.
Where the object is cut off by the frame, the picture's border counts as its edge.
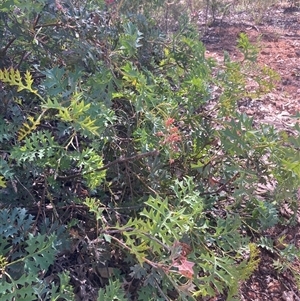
(123, 153)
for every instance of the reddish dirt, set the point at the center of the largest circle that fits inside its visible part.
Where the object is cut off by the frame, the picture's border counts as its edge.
(278, 35)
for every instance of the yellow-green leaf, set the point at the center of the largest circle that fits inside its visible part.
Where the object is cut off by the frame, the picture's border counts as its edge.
(2, 182)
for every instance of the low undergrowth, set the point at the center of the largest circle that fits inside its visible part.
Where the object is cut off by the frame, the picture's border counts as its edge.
(126, 171)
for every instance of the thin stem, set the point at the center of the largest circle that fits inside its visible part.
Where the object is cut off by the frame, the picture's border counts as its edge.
(106, 166)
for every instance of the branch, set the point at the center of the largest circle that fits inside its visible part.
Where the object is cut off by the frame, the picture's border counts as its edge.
(56, 24)
(4, 50)
(106, 166)
(222, 187)
(151, 263)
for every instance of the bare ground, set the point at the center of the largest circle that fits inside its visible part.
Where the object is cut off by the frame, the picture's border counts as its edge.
(278, 35)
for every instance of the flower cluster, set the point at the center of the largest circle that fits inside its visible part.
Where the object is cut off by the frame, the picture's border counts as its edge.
(171, 136)
(179, 253)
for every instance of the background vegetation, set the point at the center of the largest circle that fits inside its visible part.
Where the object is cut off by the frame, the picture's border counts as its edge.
(126, 170)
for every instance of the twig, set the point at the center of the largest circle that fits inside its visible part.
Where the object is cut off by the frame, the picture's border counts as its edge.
(36, 20)
(24, 56)
(106, 166)
(25, 188)
(140, 179)
(221, 188)
(4, 50)
(151, 263)
(48, 25)
(161, 291)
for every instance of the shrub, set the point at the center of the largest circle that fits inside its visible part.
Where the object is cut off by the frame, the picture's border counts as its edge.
(129, 138)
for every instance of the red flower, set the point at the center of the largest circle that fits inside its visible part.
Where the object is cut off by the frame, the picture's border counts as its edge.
(169, 121)
(185, 267)
(171, 135)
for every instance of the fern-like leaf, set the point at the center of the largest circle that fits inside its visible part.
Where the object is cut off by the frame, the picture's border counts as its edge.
(113, 291)
(13, 78)
(2, 182)
(30, 126)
